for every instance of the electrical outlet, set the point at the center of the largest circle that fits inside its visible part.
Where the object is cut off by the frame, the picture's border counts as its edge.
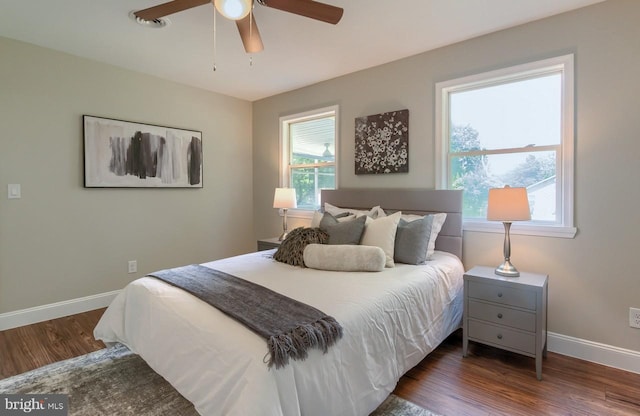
(634, 317)
(133, 266)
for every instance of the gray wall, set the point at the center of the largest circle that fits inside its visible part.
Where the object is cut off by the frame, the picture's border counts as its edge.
(61, 241)
(593, 277)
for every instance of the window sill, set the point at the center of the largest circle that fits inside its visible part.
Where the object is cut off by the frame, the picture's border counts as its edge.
(555, 231)
(298, 213)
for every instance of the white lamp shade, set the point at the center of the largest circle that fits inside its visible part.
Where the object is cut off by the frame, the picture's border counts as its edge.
(285, 198)
(233, 9)
(508, 204)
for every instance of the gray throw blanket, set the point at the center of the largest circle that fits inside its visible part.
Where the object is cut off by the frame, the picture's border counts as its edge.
(290, 327)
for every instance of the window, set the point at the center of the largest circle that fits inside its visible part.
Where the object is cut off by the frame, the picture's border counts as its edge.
(308, 143)
(510, 127)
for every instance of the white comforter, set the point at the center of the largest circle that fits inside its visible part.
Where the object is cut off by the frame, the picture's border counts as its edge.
(391, 321)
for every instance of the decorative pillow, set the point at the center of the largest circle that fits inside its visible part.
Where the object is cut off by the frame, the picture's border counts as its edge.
(374, 212)
(291, 250)
(412, 240)
(348, 232)
(345, 258)
(381, 233)
(377, 212)
(436, 226)
(317, 217)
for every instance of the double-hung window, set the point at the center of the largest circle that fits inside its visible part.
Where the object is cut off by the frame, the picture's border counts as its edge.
(309, 143)
(513, 127)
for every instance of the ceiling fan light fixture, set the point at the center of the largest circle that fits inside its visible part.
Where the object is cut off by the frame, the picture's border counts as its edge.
(233, 9)
(158, 23)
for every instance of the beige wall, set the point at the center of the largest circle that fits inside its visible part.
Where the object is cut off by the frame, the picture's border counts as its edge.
(61, 241)
(593, 277)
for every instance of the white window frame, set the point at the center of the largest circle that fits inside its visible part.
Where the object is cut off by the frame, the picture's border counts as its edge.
(285, 122)
(563, 64)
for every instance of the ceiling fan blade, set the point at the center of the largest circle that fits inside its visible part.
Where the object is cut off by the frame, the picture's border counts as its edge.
(308, 8)
(168, 8)
(250, 34)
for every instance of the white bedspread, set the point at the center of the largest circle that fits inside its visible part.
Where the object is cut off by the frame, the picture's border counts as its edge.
(391, 321)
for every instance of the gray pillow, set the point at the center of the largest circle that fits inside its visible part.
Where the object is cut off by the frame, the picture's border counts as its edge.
(347, 232)
(291, 250)
(412, 239)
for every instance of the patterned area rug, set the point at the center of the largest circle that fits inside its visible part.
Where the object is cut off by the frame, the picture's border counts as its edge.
(114, 381)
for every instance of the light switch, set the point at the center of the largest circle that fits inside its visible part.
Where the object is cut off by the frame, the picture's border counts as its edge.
(14, 191)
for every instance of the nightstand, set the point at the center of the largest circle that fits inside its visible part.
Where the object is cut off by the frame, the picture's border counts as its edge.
(268, 243)
(506, 312)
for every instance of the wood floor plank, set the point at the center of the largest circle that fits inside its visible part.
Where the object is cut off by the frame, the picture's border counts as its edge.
(29, 347)
(489, 382)
(494, 382)
(7, 364)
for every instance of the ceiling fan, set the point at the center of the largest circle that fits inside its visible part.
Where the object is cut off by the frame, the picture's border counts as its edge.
(240, 11)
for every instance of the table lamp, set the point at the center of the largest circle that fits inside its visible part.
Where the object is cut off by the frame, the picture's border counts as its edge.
(284, 198)
(507, 205)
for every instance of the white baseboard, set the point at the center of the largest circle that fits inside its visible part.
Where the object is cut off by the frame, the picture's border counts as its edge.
(595, 352)
(55, 310)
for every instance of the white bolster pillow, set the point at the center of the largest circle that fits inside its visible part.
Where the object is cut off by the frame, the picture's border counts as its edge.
(344, 258)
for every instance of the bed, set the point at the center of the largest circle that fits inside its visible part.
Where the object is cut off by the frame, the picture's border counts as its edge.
(391, 320)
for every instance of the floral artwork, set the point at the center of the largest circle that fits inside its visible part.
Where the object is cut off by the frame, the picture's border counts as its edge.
(382, 143)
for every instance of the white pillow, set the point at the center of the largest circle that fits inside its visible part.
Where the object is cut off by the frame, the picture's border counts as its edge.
(374, 212)
(381, 232)
(436, 226)
(377, 212)
(317, 217)
(345, 258)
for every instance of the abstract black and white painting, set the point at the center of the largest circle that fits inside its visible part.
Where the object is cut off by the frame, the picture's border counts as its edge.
(382, 143)
(124, 154)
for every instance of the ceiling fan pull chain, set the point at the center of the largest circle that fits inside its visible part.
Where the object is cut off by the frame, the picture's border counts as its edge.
(251, 34)
(214, 39)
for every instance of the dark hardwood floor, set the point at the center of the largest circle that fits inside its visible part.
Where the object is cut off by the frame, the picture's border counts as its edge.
(495, 382)
(487, 382)
(32, 346)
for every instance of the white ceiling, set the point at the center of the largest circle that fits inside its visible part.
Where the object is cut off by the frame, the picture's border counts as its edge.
(298, 51)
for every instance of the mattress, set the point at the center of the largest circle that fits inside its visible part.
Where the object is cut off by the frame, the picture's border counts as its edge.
(391, 320)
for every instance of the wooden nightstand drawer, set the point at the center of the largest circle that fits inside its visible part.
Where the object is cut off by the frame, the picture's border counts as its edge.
(503, 337)
(502, 315)
(505, 295)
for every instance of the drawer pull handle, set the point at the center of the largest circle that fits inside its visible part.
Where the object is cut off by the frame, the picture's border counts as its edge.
(499, 316)
(499, 294)
(499, 336)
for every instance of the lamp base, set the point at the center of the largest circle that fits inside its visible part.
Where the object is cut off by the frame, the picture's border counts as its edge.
(507, 269)
(285, 232)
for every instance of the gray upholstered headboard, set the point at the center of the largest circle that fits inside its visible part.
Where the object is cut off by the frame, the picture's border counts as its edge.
(409, 201)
